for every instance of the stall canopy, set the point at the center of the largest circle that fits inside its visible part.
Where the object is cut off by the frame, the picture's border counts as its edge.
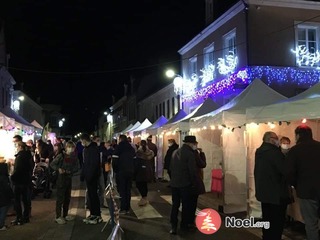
(36, 124)
(178, 116)
(183, 124)
(6, 122)
(157, 124)
(303, 105)
(136, 125)
(127, 128)
(232, 114)
(12, 114)
(145, 124)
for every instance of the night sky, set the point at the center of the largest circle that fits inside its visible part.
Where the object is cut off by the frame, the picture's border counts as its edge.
(80, 54)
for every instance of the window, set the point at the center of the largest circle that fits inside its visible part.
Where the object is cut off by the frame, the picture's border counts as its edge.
(173, 107)
(193, 66)
(307, 45)
(208, 55)
(164, 109)
(157, 112)
(160, 109)
(168, 108)
(229, 43)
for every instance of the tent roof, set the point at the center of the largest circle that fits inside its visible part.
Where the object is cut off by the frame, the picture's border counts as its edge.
(303, 105)
(145, 124)
(36, 124)
(127, 128)
(12, 114)
(158, 123)
(136, 125)
(233, 113)
(178, 116)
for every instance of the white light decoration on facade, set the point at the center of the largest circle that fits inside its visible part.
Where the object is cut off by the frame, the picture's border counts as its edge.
(207, 74)
(109, 118)
(16, 105)
(305, 58)
(178, 85)
(228, 64)
(60, 123)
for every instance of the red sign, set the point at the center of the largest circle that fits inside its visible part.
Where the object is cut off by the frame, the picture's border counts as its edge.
(208, 221)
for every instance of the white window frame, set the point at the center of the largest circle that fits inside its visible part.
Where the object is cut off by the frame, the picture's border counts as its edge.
(193, 65)
(208, 52)
(226, 43)
(306, 26)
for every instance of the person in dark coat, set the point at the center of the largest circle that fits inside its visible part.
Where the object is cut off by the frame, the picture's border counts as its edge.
(21, 179)
(91, 173)
(143, 171)
(123, 165)
(6, 193)
(167, 159)
(303, 172)
(183, 184)
(201, 163)
(270, 184)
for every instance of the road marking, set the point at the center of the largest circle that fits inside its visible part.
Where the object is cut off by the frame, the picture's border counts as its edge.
(143, 212)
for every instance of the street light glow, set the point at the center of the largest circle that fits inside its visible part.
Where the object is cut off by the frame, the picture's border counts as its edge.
(170, 73)
(21, 98)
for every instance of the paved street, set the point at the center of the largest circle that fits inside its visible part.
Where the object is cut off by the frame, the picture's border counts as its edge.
(150, 222)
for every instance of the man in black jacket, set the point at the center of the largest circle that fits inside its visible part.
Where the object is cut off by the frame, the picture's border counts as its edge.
(303, 172)
(123, 165)
(91, 173)
(183, 184)
(271, 188)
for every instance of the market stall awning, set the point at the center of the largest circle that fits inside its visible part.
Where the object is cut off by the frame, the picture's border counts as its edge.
(36, 124)
(12, 114)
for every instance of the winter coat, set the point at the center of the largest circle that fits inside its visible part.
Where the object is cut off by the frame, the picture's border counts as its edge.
(6, 193)
(69, 163)
(123, 158)
(269, 175)
(22, 168)
(201, 163)
(167, 158)
(303, 168)
(183, 168)
(143, 165)
(91, 163)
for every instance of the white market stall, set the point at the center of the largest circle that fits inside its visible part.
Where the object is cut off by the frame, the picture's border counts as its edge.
(221, 135)
(282, 118)
(140, 132)
(7, 126)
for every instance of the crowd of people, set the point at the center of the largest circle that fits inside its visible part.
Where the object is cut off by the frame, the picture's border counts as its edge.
(278, 170)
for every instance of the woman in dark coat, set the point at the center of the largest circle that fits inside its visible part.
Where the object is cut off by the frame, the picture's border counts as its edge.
(167, 159)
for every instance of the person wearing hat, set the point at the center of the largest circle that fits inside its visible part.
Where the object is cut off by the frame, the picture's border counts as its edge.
(183, 184)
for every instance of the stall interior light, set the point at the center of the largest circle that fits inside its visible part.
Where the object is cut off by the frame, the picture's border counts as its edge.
(304, 120)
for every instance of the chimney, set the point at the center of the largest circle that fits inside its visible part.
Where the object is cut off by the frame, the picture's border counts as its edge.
(125, 89)
(132, 82)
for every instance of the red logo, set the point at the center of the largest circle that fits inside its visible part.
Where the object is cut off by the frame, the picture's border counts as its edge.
(208, 221)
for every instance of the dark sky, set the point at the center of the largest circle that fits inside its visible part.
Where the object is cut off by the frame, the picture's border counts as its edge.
(55, 47)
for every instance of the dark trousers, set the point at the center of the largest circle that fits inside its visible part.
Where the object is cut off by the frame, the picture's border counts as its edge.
(275, 215)
(181, 195)
(194, 203)
(94, 201)
(143, 188)
(21, 192)
(124, 187)
(64, 184)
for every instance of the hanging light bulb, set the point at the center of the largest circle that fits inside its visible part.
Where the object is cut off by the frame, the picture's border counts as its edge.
(304, 120)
